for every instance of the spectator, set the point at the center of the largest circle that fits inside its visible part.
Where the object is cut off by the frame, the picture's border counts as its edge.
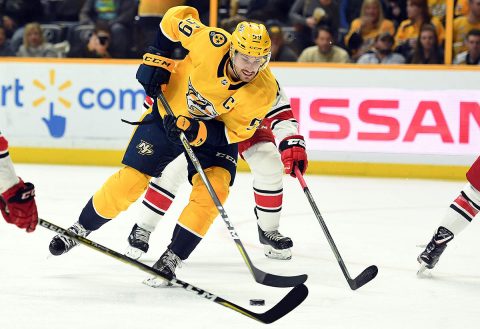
(472, 55)
(395, 10)
(34, 44)
(5, 49)
(366, 28)
(427, 49)
(97, 46)
(303, 18)
(281, 52)
(382, 52)
(409, 29)
(118, 14)
(463, 24)
(16, 14)
(324, 51)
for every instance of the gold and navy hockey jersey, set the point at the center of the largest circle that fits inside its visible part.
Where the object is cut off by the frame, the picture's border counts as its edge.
(199, 86)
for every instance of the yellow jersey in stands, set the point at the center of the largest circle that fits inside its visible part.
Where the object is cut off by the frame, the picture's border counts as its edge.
(461, 26)
(199, 86)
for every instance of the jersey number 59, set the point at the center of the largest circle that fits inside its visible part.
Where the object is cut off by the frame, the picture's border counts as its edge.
(186, 28)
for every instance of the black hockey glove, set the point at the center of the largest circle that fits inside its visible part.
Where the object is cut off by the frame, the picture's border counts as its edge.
(195, 131)
(154, 71)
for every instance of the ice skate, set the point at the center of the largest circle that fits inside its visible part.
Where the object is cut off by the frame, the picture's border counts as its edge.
(430, 256)
(138, 242)
(167, 264)
(276, 246)
(61, 244)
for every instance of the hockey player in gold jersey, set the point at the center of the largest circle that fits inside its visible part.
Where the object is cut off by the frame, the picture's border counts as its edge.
(219, 93)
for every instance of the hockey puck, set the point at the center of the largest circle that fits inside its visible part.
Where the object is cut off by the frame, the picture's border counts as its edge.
(257, 302)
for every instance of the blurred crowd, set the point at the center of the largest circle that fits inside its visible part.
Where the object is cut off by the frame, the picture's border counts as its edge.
(336, 31)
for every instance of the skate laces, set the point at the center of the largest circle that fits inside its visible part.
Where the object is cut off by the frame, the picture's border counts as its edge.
(170, 260)
(79, 230)
(141, 234)
(273, 235)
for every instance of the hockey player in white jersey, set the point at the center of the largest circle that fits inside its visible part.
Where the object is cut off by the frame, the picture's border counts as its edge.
(460, 213)
(17, 199)
(265, 162)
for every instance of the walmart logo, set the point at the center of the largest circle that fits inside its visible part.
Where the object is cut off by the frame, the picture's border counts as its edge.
(56, 124)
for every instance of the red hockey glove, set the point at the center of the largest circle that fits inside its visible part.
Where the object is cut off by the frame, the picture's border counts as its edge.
(18, 206)
(194, 130)
(293, 153)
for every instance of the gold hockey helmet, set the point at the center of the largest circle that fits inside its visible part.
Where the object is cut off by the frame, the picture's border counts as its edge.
(251, 39)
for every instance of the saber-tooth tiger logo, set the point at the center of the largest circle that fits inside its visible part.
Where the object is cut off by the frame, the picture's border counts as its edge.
(199, 106)
(145, 148)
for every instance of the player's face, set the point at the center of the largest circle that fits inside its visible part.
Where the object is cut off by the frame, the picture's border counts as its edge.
(247, 66)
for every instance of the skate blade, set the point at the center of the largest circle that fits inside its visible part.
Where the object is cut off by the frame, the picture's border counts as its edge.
(279, 254)
(134, 253)
(423, 272)
(156, 282)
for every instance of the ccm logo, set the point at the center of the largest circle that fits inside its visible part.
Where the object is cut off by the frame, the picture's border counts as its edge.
(28, 194)
(293, 142)
(157, 61)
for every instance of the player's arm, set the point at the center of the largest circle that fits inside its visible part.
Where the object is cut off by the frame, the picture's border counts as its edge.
(285, 128)
(17, 202)
(179, 25)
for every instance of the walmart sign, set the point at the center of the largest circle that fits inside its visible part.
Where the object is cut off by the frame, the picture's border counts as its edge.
(66, 103)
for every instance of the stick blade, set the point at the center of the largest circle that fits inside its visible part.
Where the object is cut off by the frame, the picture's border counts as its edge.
(278, 281)
(366, 276)
(288, 303)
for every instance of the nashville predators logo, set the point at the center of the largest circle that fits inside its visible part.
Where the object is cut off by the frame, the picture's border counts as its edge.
(198, 106)
(145, 148)
(217, 39)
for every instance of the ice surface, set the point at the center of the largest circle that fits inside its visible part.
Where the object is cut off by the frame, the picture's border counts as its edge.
(373, 221)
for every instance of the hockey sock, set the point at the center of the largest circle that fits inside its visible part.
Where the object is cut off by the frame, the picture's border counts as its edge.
(161, 193)
(268, 205)
(157, 200)
(462, 210)
(267, 169)
(183, 242)
(90, 219)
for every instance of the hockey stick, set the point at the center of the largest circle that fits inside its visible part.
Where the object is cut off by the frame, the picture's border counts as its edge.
(288, 303)
(368, 274)
(259, 276)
